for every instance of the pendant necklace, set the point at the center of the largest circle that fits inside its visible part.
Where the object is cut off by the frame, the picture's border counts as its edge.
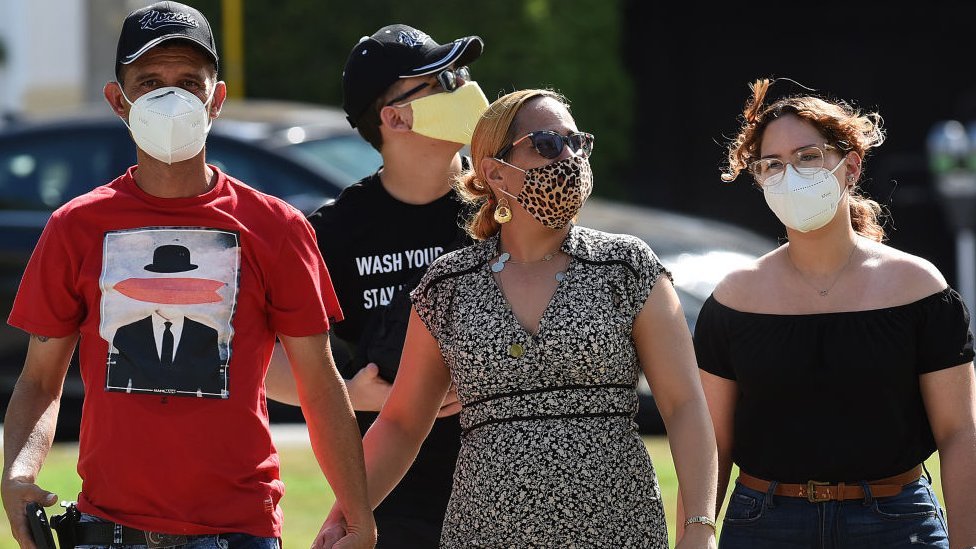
(505, 257)
(823, 292)
(517, 350)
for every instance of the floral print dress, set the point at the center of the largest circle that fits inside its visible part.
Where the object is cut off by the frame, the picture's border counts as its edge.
(550, 454)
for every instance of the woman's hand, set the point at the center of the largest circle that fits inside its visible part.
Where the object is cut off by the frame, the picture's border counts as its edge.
(334, 533)
(697, 536)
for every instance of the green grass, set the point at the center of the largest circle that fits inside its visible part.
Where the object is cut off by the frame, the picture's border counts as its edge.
(308, 497)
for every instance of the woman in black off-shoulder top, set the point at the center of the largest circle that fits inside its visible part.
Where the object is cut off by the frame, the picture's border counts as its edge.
(835, 365)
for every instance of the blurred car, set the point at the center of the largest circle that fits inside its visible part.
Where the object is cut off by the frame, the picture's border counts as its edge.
(305, 154)
(317, 135)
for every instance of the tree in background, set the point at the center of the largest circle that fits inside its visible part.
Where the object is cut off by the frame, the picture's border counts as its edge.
(296, 50)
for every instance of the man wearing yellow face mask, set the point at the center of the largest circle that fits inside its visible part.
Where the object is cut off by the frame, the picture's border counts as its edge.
(413, 100)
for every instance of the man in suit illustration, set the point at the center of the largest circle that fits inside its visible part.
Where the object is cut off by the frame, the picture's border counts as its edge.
(167, 351)
(186, 357)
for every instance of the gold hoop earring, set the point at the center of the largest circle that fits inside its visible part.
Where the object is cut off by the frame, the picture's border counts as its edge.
(503, 213)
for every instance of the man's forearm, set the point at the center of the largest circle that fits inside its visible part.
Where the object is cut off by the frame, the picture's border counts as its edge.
(28, 429)
(32, 413)
(27, 436)
(336, 441)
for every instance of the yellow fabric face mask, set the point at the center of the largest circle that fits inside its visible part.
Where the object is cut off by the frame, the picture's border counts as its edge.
(450, 116)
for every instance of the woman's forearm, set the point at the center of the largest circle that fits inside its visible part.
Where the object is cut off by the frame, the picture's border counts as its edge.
(695, 456)
(959, 488)
(390, 448)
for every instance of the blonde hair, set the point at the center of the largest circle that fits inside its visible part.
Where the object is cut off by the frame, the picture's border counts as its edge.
(841, 125)
(495, 129)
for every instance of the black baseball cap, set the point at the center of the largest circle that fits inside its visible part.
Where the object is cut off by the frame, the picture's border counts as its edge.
(393, 52)
(147, 27)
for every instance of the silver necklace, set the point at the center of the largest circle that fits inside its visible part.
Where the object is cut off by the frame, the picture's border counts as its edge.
(505, 257)
(823, 292)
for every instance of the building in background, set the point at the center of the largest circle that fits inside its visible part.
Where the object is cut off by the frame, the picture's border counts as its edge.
(57, 54)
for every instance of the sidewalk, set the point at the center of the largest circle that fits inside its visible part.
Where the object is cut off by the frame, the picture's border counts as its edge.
(282, 434)
(290, 434)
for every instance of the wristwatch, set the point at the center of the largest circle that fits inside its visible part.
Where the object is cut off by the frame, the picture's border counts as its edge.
(700, 519)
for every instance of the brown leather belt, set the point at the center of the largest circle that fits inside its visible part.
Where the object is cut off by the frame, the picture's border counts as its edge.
(816, 492)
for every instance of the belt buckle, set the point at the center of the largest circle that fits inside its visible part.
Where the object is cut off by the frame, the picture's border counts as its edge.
(812, 491)
(158, 540)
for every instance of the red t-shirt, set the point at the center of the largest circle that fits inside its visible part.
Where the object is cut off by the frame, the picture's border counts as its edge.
(177, 302)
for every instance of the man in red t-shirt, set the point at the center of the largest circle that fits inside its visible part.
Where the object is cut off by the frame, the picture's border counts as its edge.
(176, 279)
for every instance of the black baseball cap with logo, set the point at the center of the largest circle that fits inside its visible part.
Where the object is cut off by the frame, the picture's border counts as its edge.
(148, 27)
(393, 52)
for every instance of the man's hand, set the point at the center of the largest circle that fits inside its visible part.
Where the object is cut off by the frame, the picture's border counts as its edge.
(450, 406)
(367, 390)
(335, 534)
(17, 493)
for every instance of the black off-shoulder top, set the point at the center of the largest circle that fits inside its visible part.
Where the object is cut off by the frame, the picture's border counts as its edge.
(833, 396)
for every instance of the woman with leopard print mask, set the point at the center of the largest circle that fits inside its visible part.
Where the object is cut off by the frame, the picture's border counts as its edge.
(544, 326)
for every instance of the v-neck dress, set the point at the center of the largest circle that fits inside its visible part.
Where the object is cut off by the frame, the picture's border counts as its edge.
(550, 454)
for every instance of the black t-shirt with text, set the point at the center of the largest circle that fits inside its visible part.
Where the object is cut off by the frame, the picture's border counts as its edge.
(376, 248)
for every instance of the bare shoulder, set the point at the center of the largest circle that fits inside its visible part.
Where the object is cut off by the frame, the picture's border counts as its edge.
(739, 288)
(904, 274)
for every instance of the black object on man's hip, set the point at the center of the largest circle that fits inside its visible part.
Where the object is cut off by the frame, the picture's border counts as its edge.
(39, 526)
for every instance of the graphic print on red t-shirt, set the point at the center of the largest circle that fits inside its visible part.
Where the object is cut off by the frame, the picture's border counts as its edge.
(168, 300)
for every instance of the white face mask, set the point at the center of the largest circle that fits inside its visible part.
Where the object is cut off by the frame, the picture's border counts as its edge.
(170, 124)
(803, 202)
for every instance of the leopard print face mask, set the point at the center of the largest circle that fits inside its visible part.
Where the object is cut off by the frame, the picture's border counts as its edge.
(553, 194)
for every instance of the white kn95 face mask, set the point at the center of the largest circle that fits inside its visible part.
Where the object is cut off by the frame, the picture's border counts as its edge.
(170, 124)
(804, 202)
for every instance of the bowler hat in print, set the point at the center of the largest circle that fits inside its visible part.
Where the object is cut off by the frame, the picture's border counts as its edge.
(171, 258)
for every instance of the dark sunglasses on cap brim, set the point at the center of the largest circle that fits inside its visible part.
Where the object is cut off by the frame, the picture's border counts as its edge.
(449, 79)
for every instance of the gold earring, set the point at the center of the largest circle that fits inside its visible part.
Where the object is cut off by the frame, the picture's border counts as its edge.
(503, 213)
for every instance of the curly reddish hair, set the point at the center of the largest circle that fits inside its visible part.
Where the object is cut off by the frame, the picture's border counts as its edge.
(840, 124)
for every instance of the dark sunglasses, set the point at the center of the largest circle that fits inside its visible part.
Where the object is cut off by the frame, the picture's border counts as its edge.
(449, 79)
(549, 144)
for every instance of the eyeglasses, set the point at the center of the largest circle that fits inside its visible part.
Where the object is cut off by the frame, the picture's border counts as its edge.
(449, 80)
(549, 144)
(806, 161)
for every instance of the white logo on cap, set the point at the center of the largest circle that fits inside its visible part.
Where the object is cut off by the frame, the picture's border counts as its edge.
(414, 38)
(156, 19)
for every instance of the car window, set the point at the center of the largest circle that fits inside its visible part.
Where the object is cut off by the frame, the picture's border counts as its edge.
(348, 155)
(41, 170)
(271, 173)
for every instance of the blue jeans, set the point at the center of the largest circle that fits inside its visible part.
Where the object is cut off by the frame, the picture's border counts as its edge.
(216, 541)
(911, 519)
